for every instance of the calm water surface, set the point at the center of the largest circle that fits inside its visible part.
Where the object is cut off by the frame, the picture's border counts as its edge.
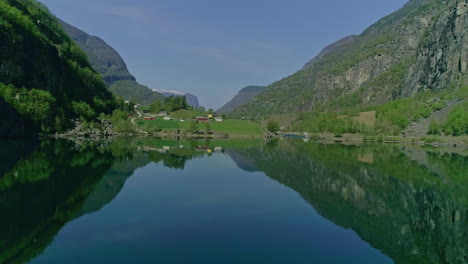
(285, 201)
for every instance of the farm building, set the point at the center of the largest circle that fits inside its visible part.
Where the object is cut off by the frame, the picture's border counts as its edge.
(203, 119)
(218, 119)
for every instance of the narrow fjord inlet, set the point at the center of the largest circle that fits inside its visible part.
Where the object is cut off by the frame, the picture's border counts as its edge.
(126, 135)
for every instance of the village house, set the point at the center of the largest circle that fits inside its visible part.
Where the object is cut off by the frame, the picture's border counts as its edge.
(218, 119)
(203, 119)
(163, 113)
(167, 118)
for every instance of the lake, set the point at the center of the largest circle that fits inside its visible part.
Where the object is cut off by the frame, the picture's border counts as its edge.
(148, 200)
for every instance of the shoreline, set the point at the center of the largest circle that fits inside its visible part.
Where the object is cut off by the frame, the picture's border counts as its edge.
(326, 138)
(434, 141)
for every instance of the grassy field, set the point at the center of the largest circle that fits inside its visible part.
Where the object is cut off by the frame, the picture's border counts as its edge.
(230, 127)
(186, 114)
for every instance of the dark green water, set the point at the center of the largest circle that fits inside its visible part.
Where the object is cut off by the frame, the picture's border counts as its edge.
(286, 201)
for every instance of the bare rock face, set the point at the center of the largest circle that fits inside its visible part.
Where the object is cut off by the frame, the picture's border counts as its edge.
(421, 46)
(442, 59)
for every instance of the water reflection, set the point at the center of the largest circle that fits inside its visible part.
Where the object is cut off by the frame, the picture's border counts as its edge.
(409, 202)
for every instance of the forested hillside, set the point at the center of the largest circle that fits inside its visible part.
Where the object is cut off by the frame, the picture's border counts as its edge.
(244, 96)
(107, 62)
(420, 51)
(45, 78)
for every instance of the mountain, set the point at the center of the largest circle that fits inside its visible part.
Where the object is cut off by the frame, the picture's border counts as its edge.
(330, 48)
(245, 96)
(192, 100)
(421, 47)
(45, 78)
(110, 65)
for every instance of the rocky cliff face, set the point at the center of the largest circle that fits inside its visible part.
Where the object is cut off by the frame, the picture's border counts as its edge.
(110, 65)
(244, 96)
(442, 58)
(421, 46)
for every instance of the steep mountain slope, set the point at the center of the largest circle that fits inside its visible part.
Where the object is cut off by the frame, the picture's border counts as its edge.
(192, 100)
(43, 72)
(330, 48)
(422, 46)
(107, 62)
(245, 96)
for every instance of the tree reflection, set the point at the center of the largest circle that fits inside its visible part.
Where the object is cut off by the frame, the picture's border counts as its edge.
(409, 202)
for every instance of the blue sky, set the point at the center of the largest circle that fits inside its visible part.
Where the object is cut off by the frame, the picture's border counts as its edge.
(213, 48)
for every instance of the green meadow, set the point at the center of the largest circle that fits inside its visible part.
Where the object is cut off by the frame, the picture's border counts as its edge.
(230, 127)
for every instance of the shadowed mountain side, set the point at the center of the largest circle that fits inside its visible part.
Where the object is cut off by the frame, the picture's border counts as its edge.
(110, 65)
(243, 97)
(409, 211)
(42, 73)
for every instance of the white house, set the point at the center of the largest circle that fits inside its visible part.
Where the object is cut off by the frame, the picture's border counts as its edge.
(163, 113)
(167, 118)
(218, 149)
(218, 119)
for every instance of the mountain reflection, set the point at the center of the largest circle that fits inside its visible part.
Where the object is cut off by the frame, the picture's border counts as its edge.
(409, 202)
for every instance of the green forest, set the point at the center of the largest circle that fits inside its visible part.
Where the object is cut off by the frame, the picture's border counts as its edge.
(45, 76)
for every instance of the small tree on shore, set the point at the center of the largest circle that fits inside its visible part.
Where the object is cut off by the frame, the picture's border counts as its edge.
(273, 126)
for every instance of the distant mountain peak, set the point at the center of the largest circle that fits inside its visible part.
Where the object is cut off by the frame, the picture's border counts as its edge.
(172, 92)
(111, 66)
(192, 100)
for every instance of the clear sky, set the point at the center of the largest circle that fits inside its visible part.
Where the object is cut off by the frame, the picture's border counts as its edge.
(213, 48)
